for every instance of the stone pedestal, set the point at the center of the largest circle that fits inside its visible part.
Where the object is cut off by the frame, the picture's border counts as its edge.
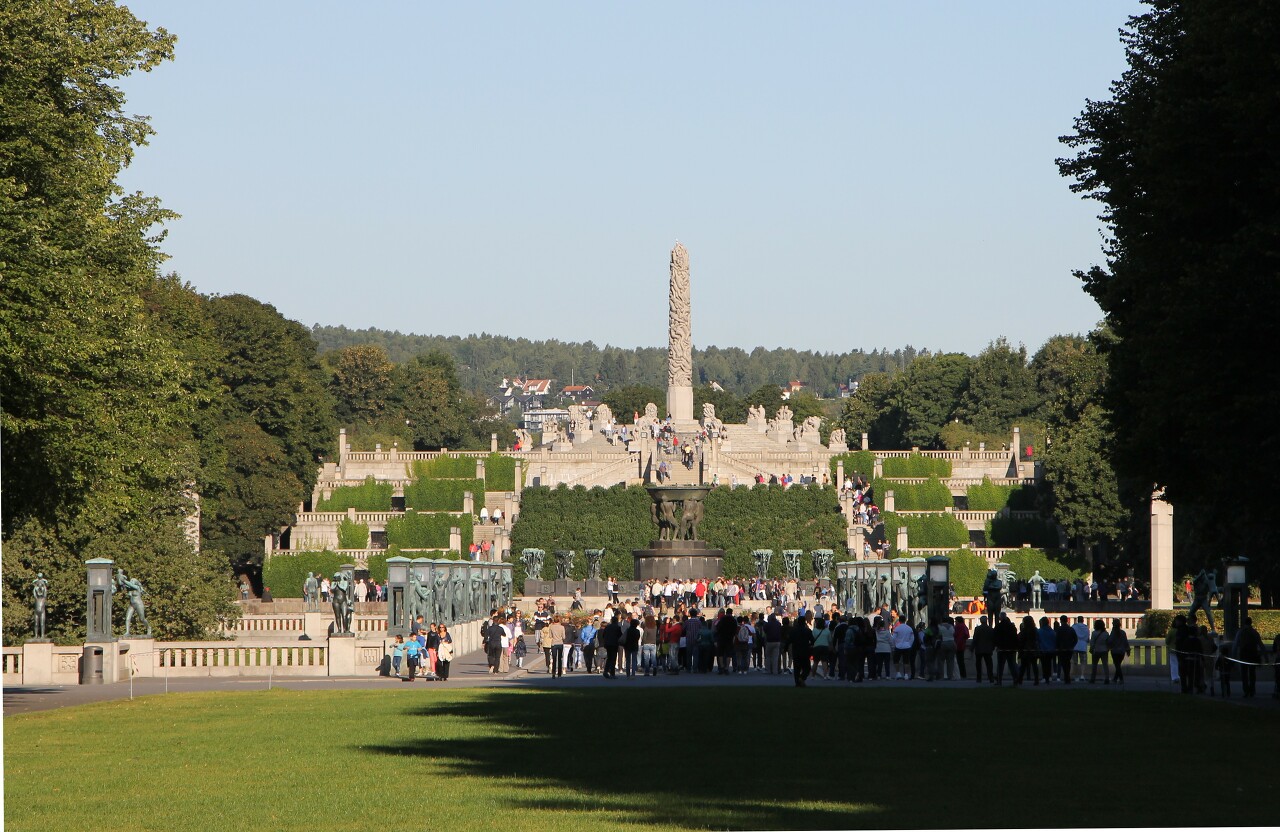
(564, 587)
(314, 626)
(538, 588)
(140, 657)
(37, 663)
(1161, 553)
(680, 406)
(342, 655)
(594, 588)
(677, 559)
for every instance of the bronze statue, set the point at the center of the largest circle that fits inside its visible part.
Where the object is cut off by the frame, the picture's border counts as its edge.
(40, 594)
(342, 600)
(690, 517)
(133, 587)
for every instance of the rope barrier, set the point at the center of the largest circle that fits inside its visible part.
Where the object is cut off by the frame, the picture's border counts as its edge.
(1215, 656)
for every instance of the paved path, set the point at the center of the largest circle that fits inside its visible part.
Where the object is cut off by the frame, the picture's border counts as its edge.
(470, 671)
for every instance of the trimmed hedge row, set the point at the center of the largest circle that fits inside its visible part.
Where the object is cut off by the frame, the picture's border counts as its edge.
(968, 570)
(1025, 562)
(917, 465)
(931, 531)
(989, 496)
(286, 574)
(619, 520)
(352, 535)
(855, 462)
(426, 531)
(932, 495)
(368, 496)
(1156, 623)
(442, 495)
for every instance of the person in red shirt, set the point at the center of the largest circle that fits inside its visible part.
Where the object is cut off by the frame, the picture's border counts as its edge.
(962, 642)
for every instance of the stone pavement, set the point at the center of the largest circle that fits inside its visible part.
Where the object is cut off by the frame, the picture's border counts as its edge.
(471, 671)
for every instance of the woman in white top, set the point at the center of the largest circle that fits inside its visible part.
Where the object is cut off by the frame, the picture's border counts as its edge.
(484, 514)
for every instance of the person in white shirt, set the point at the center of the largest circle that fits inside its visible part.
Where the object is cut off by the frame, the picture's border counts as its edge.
(904, 638)
(1082, 646)
(484, 515)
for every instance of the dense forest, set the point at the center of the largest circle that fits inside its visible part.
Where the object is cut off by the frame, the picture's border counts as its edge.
(484, 360)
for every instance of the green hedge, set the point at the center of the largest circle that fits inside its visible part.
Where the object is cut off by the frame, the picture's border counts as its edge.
(989, 496)
(856, 462)
(286, 574)
(352, 535)
(1156, 623)
(968, 571)
(929, 531)
(931, 495)
(1011, 531)
(917, 465)
(442, 495)
(369, 496)
(619, 520)
(499, 470)
(500, 473)
(413, 530)
(1026, 562)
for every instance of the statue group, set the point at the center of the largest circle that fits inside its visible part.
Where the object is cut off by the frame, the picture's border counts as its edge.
(873, 586)
(692, 513)
(455, 592)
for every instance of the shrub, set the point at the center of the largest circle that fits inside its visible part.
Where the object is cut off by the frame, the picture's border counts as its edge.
(445, 468)
(287, 573)
(989, 496)
(368, 496)
(619, 520)
(442, 495)
(856, 462)
(500, 473)
(352, 535)
(1156, 623)
(917, 465)
(968, 570)
(929, 531)
(931, 495)
(1025, 562)
(413, 530)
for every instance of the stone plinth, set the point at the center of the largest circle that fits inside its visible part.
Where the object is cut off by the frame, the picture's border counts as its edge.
(538, 588)
(677, 559)
(314, 626)
(342, 655)
(139, 659)
(37, 663)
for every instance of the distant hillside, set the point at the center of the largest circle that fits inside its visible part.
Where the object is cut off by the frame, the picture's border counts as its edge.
(483, 360)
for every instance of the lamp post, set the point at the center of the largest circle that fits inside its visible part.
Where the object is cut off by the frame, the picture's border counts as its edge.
(1237, 600)
(397, 585)
(939, 582)
(98, 600)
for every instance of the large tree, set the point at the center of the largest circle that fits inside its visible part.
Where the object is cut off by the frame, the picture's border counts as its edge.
(1185, 160)
(927, 394)
(98, 403)
(1001, 389)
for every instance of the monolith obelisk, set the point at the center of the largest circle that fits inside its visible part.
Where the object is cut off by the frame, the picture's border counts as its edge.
(680, 357)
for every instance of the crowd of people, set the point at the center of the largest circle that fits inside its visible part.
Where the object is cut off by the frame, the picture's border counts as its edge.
(429, 648)
(1199, 657)
(632, 638)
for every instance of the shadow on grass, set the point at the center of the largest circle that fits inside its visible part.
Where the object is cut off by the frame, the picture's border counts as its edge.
(752, 758)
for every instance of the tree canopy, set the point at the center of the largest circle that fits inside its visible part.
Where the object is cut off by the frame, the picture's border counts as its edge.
(1183, 159)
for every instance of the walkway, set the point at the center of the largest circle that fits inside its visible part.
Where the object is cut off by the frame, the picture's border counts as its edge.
(470, 671)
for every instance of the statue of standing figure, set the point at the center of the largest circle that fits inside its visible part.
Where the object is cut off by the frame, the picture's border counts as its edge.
(821, 562)
(691, 515)
(992, 594)
(342, 599)
(595, 558)
(762, 558)
(443, 605)
(133, 587)
(311, 593)
(791, 562)
(40, 595)
(1204, 586)
(532, 559)
(1037, 591)
(564, 563)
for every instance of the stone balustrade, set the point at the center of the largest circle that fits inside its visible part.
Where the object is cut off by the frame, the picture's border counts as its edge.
(234, 659)
(12, 662)
(268, 624)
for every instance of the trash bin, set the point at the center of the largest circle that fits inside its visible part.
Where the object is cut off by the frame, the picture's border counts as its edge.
(91, 666)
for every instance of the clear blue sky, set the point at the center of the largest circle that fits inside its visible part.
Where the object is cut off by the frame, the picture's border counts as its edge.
(844, 174)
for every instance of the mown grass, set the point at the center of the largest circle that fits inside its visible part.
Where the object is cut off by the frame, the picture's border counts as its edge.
(711, 758)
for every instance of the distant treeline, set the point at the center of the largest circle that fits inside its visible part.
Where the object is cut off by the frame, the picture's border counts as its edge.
(483, 360)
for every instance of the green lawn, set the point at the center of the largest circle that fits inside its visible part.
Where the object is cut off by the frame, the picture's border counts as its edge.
(740, 757)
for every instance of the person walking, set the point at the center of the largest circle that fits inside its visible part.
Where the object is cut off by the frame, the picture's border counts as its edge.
(649, 646)
(413, 653)
(1098, 649)
(631, 645)
(1066, 648)
(611, 640)
(1006, 645)
(1247, 649)
(880, 668)
(1082, 647)
(397, 655)
(557, 646)
(1118, 647)
(984, 646)
(962, 644)
(444, 654)
(801, 647)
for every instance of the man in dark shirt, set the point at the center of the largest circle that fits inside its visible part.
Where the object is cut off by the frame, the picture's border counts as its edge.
(633, 645)
(610, 638)
(726, 629)
(984, 644)
(1006, 648)
(801, 648)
